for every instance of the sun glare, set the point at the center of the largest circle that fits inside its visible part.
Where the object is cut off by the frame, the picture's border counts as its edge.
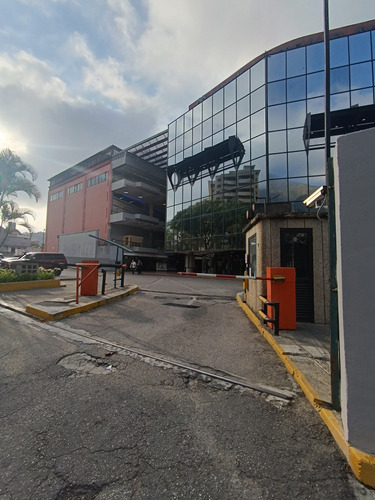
(9, 141)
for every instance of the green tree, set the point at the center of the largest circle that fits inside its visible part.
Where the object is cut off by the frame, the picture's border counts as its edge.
(16, 176)
(205, 219)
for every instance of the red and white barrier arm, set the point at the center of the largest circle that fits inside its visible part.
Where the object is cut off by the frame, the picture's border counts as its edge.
(226, 276)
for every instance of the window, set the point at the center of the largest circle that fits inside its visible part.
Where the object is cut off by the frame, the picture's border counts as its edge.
(207, 108)
(97, 179)
(297, 113)
(296, 88)
(339, 80)
(277, 166)
(230, 93)
(197, 115)
(360, 47)
(243, 85)
(258, 99)
(243, 130)
(362, 97)
(339, 55)
(188, 139)
(243, 108)
(188, 120)
(296, 64)
(230, 115)
(252, 259)
(257, 75)
(361, 75)
(217, 102)
(74, 189)
(56, 196)
(276, 67)
(315, 84)
(276, 92)
(277, 142)
(277, 117)
(315, 57)
(258, 123)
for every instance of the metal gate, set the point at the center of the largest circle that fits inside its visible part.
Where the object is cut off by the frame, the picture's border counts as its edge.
(297, 251)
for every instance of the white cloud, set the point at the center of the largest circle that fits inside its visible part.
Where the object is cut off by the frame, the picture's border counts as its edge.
(25, 71)
(124, 21)
(52, 129)
(104, 76)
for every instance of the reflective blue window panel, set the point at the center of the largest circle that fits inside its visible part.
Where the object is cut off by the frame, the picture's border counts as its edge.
(360, 47)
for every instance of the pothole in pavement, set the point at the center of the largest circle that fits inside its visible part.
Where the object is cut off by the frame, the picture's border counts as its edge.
(82, 365)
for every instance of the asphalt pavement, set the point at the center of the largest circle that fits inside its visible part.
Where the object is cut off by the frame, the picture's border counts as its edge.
(308, 347)
(77, 443)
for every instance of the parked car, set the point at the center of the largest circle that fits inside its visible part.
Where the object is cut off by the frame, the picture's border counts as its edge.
(48, 260)
(1, 256)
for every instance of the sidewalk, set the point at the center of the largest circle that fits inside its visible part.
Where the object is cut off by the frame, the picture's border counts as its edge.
(305, 353)
(58, 302)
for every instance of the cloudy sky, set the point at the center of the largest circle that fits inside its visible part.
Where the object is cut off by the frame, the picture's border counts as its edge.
(79, 75)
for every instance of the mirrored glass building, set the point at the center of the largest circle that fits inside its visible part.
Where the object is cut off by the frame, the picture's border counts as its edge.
(257, 140)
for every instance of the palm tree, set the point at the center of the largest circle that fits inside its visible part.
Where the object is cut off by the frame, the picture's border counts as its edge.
(11, 212)
(14, 178)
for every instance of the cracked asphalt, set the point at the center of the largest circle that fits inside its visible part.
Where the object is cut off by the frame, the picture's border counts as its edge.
(83, 418)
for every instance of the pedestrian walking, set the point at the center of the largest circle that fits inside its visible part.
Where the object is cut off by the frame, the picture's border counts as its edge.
(139, 266)
(133, 265)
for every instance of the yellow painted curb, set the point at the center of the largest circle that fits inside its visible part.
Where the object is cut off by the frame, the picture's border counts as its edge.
(45, 315)
(362, 464)
(29, 285)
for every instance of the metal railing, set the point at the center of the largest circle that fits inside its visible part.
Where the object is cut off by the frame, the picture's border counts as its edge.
(276, 310)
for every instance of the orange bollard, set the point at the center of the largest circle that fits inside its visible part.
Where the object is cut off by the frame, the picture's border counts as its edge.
(285, 294)
(89, 277)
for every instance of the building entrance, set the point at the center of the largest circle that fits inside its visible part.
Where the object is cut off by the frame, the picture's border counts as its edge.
(223, 263)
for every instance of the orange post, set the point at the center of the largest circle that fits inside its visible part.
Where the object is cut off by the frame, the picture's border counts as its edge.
(89, 277)
(285, 294)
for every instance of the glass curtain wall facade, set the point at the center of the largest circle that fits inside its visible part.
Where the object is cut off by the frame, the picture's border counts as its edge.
(265, 106)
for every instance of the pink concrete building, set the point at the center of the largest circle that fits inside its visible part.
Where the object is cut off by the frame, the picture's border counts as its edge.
(79, 199)
(115, 195)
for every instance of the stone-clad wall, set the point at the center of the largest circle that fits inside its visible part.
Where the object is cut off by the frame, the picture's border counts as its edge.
(267, 229)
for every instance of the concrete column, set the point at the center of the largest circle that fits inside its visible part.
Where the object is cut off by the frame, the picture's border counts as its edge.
(355, 223)
(189, 263)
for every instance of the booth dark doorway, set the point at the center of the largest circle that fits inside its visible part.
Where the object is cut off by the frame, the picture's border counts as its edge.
(297, 251)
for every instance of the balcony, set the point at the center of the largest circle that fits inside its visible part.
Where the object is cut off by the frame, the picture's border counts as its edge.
(137, 220)
(138, 189)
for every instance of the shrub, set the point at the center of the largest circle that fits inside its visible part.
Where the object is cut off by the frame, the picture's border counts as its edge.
(45, 274)
(10, 276)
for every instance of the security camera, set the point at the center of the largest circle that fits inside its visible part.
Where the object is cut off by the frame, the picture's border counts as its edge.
(315, 197)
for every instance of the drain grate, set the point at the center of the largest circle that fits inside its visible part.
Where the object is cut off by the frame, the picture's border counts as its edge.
(173, 304)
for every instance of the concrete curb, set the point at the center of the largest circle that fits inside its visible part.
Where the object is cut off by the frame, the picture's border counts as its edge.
(362, 464)
(29, 285)
(43, 313)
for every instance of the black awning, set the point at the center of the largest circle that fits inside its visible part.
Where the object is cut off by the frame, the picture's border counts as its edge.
(208, 159)
(343, 121)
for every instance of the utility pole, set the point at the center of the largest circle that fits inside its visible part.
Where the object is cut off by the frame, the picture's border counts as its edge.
(335, 364)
